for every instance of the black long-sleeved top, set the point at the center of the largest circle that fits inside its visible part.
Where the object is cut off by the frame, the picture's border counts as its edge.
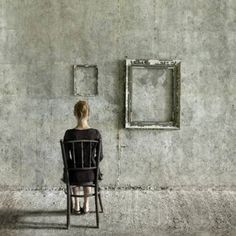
(77, 134)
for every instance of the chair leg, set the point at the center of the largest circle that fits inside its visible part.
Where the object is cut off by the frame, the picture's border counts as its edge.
(96, 206)
(100, 201)
(68, 207)
(71, 205)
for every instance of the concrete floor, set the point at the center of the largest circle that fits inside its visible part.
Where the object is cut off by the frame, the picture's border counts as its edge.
(163, 213)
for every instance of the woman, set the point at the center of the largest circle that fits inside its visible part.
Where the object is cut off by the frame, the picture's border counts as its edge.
(82, 131)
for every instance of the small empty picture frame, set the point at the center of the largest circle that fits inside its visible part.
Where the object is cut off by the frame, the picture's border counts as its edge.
(85, 80)
(152, 94)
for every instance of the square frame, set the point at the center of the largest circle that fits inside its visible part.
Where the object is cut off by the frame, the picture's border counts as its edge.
(174, 66)
(76, 67)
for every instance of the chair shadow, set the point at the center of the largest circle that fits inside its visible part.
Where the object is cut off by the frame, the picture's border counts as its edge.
(14, 219)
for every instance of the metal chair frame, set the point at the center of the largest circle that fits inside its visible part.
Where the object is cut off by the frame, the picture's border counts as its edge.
(95, 184)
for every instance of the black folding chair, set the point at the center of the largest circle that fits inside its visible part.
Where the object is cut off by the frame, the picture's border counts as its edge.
(73, 153)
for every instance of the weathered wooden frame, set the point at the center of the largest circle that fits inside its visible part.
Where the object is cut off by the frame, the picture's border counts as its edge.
(173, 65)
(75, 67)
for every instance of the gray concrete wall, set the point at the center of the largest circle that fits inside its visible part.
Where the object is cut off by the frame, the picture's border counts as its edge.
(40, 40)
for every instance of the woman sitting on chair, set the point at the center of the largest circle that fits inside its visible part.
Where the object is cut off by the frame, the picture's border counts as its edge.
(82, 131)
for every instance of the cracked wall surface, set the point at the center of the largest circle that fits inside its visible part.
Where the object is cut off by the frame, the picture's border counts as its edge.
(41, 40)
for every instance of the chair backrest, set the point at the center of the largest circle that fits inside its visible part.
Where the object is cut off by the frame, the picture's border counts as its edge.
(80, 155)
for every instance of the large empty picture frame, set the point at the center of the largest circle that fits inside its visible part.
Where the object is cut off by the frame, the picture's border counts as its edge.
(85, 80)
(152, 94)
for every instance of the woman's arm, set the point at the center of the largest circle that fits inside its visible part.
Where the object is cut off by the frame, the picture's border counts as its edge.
(101, 151)
(67, 147)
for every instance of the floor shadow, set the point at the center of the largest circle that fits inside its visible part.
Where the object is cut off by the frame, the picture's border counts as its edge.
(15, 219)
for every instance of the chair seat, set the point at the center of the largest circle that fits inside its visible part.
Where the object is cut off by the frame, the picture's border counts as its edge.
(85, 184)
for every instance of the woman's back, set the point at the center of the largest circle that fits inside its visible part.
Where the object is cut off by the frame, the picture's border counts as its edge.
(90, 133)
(87, 134)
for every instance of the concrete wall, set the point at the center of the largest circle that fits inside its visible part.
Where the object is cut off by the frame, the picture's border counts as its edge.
(40, 40)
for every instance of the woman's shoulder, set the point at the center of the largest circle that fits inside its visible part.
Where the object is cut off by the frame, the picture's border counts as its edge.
(89, 130)
(68, 131)
(93, 131)
(96, 132)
